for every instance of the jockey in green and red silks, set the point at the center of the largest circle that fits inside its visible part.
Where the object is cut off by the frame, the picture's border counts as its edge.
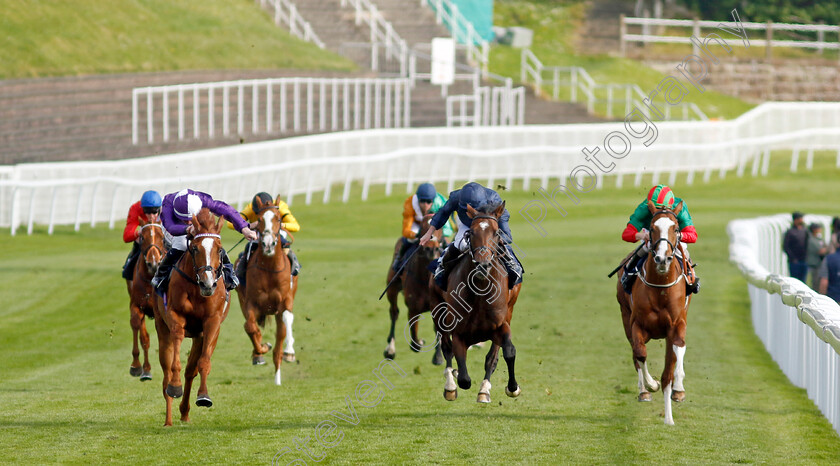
(637, 228)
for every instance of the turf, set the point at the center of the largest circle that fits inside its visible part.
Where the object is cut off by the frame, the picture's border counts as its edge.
(63, 37)
(557, 27)
(67, 397)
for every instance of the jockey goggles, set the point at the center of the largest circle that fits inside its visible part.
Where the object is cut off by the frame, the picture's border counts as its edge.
(151, 210)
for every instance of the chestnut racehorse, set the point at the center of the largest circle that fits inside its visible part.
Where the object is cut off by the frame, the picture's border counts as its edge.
(141, 294)
(195, 305)
(269, 289)
(657, 309)
(414, 283)
(477, 307)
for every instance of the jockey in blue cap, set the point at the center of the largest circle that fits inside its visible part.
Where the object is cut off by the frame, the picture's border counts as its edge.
(477, 196)
(146, 209)
(176, 212)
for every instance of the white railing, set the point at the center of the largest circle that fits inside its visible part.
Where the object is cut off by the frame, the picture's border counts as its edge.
(799, 327)
(286, 12)
(695, 25)
(487, 106)
(611, 95)
(463, 31)
(72, 193)
(275, 105)
(381, 31)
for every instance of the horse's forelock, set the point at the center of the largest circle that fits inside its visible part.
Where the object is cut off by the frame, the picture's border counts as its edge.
(488, 209)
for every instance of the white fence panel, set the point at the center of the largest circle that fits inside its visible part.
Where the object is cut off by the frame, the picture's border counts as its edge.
(799, 327)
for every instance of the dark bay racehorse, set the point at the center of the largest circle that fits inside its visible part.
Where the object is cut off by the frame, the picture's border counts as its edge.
(141, 294)
(477, 307)
(657, 309)
(194, 307)
(414, 284)
(269, 289)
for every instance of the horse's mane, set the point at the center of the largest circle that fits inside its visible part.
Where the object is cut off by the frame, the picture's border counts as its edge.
(206, 219)
(488, 209)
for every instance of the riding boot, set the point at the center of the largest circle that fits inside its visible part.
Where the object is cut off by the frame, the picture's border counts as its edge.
(631, 269)
(514, 268)
(231, 281)
(295, 263)
(130, 261)
(403, 248)
(161, 278)
(693, 288)
(442, 272)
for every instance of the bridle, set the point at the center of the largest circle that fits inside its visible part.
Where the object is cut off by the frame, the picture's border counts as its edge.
(144, 251)
(217, 273)
(480, 249)
(674, 245)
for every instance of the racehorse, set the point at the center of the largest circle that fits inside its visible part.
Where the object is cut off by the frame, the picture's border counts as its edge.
(657, 309)
(269, 289)
(141, 294)
(194, 306)
(414, 283)
(477, 306)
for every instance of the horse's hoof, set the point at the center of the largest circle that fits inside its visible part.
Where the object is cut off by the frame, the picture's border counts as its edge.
(645, 396)
(389, 355)
(483, 398)
(203, 401)
(145, 376)
(135, 371)
(678, 396)
(174, 392)
(513, 394)
(289, 357)
(465, 384)
(437, 360)
(654, 387)
(450, 395)
(417, 347)
(258, 360)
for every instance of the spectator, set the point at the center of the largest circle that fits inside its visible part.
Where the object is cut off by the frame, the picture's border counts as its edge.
(795, 246)
(834, 240)
(815, 253)
(829, 276)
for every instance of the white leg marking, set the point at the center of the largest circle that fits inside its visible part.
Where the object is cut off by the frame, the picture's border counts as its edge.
(450, 380)
(679, 371)
(485, 387)
(669, 417)
(277, 377)
(650, 382)
(392, 347)
(288, 318)
(642, 388)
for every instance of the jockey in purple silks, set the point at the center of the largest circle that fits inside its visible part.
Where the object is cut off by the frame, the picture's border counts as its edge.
(177, 210)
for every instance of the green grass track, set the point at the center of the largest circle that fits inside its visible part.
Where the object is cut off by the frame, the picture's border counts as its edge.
(66, 395)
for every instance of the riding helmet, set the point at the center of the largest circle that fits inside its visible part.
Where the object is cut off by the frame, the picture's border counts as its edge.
(473, 194)
(264, 198)
(426, 192)
(150, 199)
(661, 196)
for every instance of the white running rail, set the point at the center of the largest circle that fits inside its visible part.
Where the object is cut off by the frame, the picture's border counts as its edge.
(488, 106)
(612, 95)
(76, 192)
(381, 32)
(286, 12)
(463, 31)
(799, 327)
(275, 105)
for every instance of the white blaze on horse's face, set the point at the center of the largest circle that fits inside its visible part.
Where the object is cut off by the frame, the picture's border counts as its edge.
(661, 258)
(207, 245)
(268, 239)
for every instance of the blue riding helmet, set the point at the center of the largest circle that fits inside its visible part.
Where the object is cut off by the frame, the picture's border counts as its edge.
(426, 192)
(473, 194)
(150, 199)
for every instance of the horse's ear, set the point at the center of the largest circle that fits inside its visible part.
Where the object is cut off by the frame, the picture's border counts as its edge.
(651, 207)
(678, 208)
(195, 224)
(500, 210)
(141, 222)
(471, 212)
(218, 226)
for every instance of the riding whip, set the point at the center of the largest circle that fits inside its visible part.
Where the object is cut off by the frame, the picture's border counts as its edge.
(399, 271)
(625, 260)
(237, 244)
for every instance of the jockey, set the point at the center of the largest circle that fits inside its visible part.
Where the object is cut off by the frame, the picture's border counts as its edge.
(637, 229)
(251, 214)
(146, 209)
(425, 201)
(477, 196)
(176, 212)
